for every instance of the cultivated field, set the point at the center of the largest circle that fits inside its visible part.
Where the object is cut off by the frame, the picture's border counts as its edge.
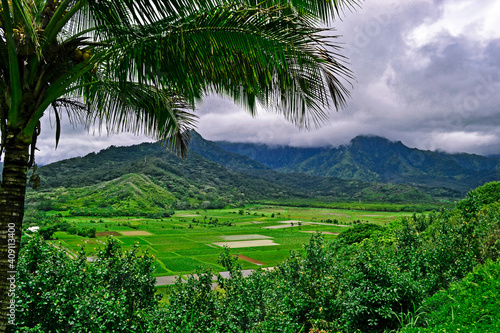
(261, 235)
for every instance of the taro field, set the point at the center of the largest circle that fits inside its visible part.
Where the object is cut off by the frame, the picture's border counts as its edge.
(190, 240)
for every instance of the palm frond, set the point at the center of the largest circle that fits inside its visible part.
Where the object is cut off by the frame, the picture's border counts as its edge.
(325, 10)
(139, 108)
(157, 58)
(76, 111)
(145, 12)
(245, 52)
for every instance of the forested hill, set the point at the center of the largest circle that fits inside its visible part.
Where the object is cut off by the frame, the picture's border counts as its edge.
(377, 159)
(195, 180)
(274, 157)
(192, 178)
(212, 152)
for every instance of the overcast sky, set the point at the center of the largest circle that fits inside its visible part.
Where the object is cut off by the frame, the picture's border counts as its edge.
(427, 74)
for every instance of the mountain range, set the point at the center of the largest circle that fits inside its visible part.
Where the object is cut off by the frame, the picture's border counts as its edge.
(148, 178)
(371, 158)
(115, 179)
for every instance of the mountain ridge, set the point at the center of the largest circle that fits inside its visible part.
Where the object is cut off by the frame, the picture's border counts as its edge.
(128, 195)
(196, 182)
(374, 158)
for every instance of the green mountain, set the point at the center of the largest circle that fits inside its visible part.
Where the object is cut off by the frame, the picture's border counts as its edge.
(274, 157)
(350, 187)
(212, 152)
(115, 177)
(378, 159)
(192, 181)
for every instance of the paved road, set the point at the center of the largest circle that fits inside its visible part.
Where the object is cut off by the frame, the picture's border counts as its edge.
(170, 279)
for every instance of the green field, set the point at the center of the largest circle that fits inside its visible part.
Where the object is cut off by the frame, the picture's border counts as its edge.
(186, 241)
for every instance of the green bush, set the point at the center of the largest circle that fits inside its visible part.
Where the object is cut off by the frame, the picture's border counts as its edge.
(55, 293)
(373, 287)
(468, 306)
(359, 232)
(47, 232)
(479, 197)
(44, 205)
(486, 234)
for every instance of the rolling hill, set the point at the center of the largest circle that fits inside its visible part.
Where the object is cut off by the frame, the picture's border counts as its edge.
(131, 194)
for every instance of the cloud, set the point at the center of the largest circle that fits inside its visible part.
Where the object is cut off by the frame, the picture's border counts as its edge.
(75, 141)
(427, 73)
(413, 89)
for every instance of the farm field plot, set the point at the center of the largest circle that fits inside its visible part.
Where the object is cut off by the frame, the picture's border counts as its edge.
(190, 240)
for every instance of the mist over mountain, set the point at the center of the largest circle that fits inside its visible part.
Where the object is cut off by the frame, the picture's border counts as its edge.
(372, 158)
(274, 157)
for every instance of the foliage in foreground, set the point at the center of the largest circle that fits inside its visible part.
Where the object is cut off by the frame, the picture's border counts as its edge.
(359, 232)
(468, 306)
(363, 287)
(58, 294)
(380, 284)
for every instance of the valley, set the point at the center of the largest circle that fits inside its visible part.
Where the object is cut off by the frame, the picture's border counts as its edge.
(192, 240)
(183, 211)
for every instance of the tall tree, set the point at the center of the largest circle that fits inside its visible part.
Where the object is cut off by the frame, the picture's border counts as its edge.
(142, 65)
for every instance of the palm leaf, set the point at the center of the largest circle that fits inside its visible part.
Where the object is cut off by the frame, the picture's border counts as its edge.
(268, 51)
(247, 53)
(138, 108)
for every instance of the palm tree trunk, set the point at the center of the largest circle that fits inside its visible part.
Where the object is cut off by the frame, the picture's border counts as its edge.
(12, 193)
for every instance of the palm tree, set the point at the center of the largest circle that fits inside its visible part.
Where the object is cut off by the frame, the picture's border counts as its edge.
(142, 65)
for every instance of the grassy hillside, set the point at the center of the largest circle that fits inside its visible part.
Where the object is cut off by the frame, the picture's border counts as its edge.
(470, 305)
(131, 194)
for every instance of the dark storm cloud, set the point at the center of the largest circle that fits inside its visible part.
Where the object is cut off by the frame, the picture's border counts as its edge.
(456, 88)
(430, 93)
(492, 53)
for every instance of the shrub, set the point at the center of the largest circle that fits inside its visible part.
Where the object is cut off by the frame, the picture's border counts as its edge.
(373, 288)
(57, 294)
(468, 306)
(47, 232)
(44, 205)
(359, 232)
(479, 197)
